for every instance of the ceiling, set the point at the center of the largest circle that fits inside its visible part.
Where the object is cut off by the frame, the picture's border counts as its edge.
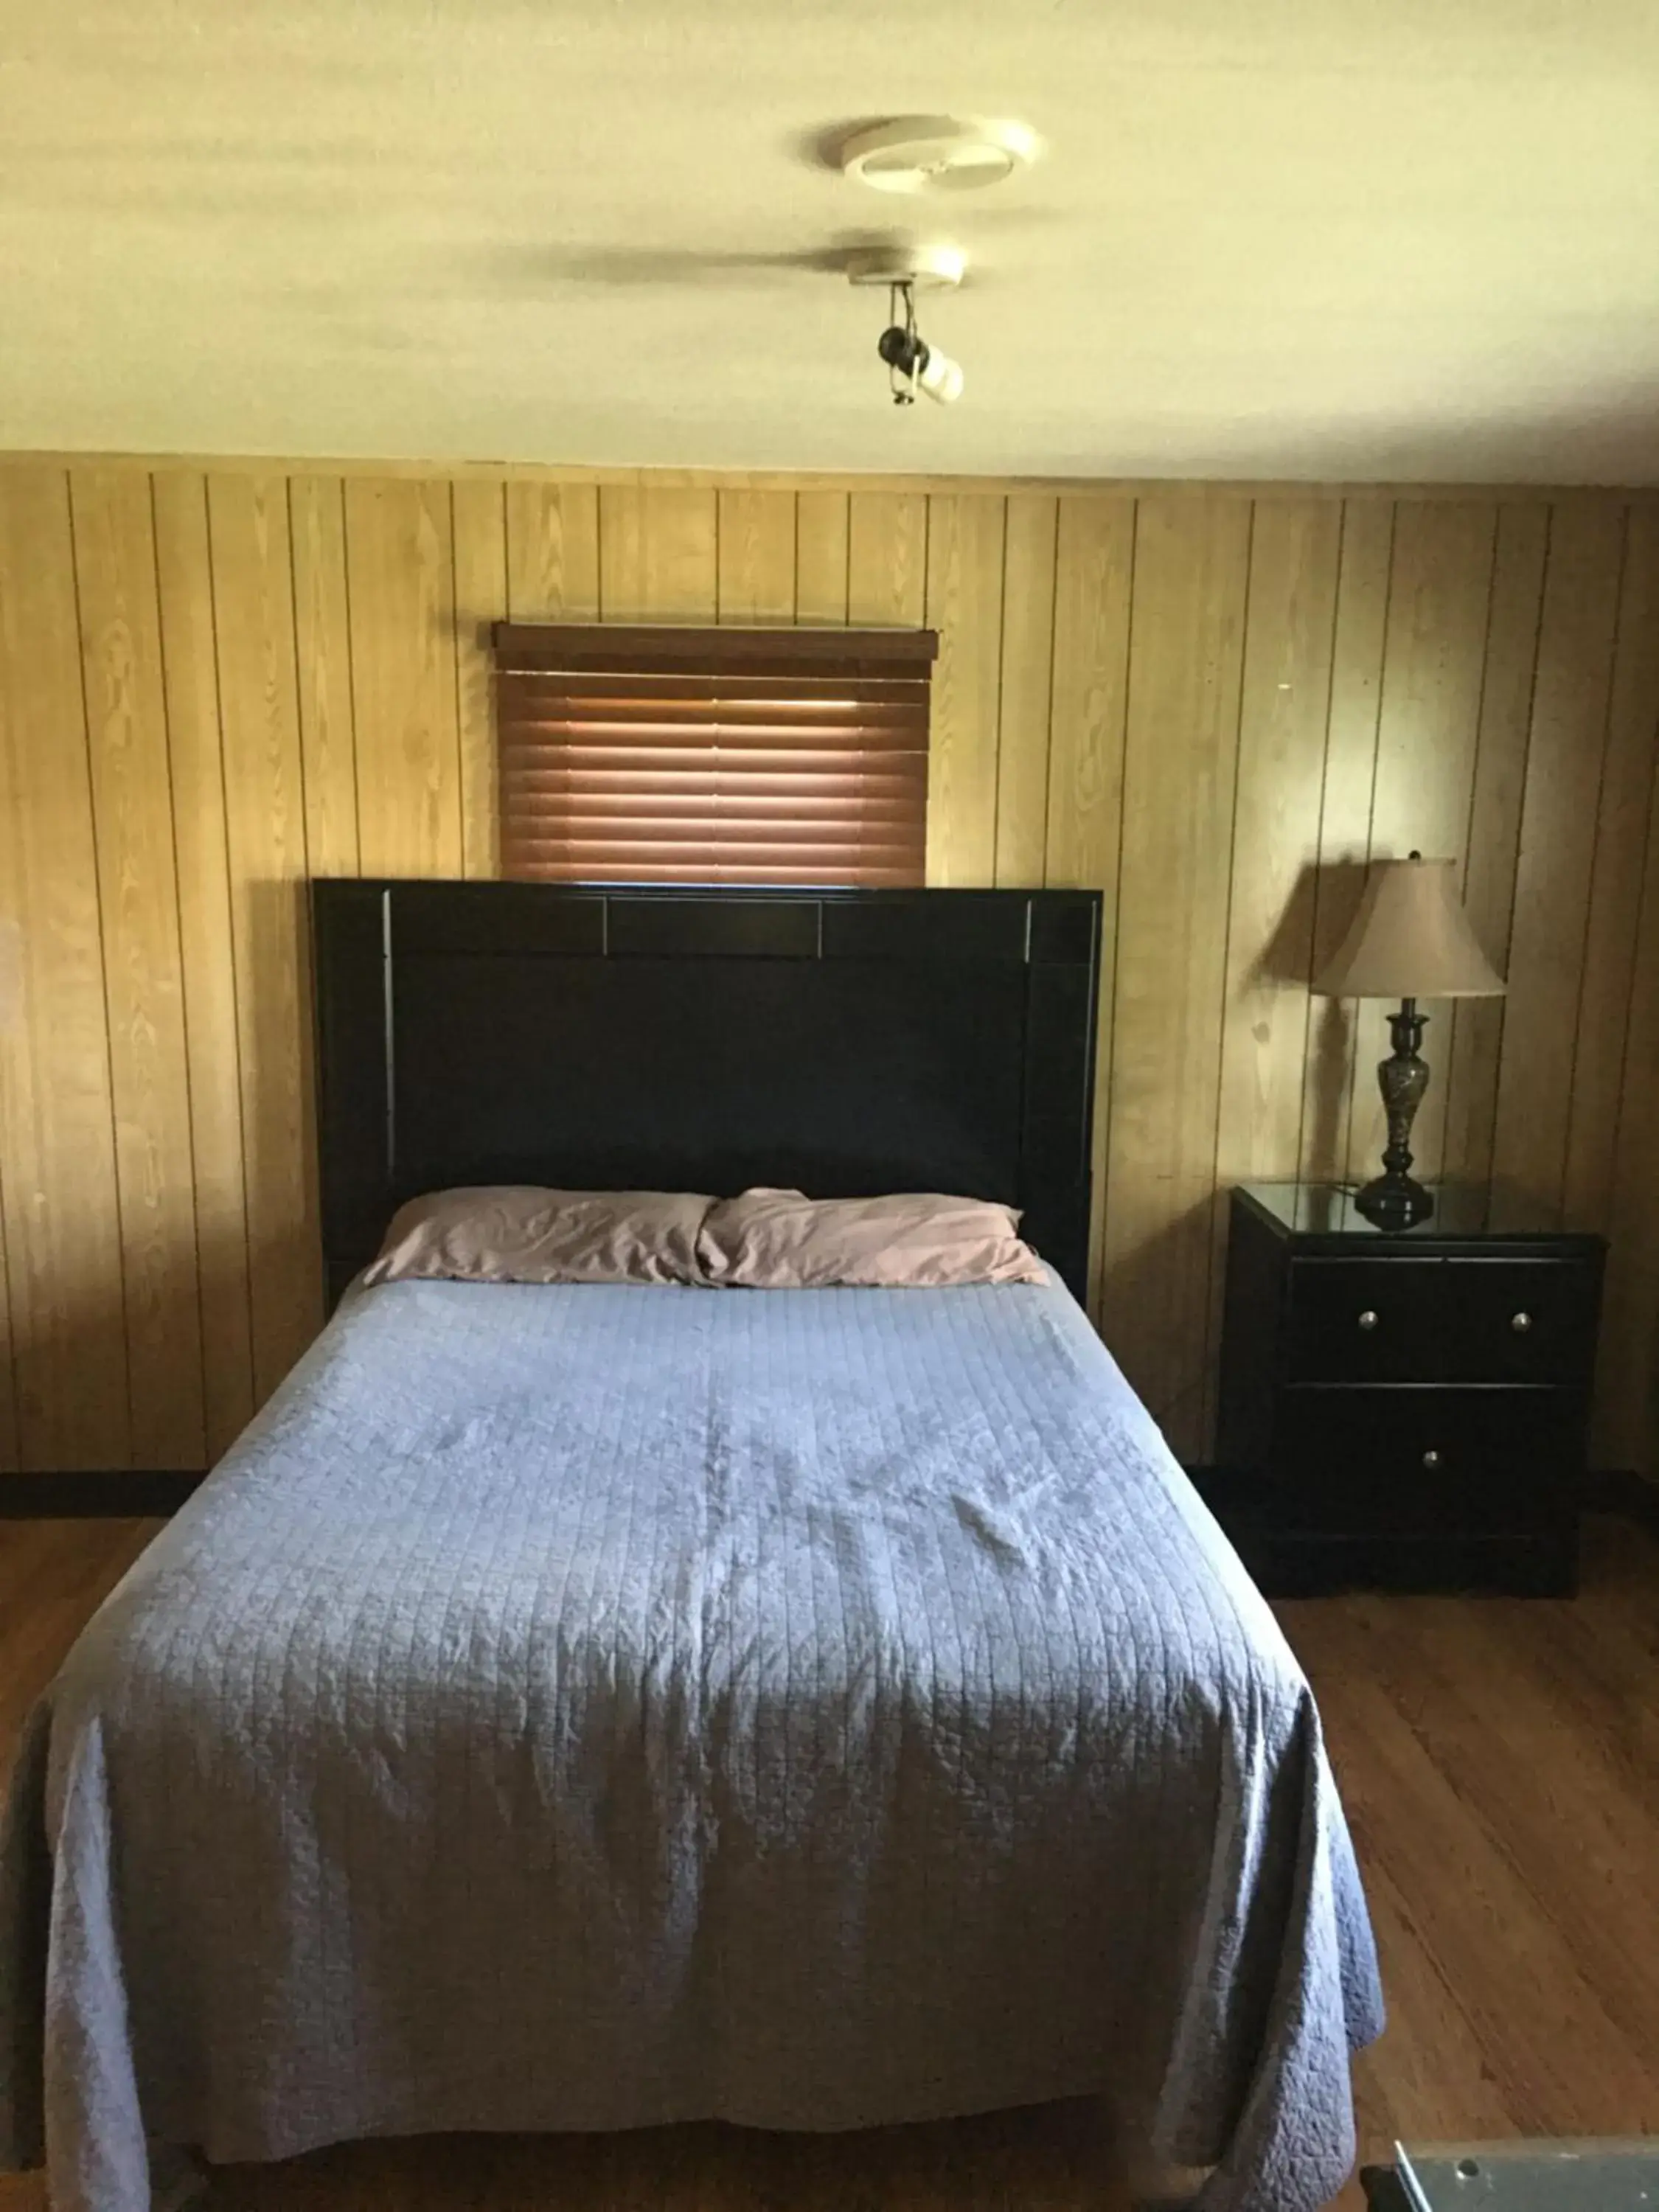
(1355, 238)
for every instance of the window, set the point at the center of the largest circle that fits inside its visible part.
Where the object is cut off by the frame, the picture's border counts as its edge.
(725, 757)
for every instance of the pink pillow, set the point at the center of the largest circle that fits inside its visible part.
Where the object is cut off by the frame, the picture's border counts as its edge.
(778, 1240)
(507, 1233)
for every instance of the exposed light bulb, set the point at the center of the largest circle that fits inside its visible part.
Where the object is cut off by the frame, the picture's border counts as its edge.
(939, 377)
(914, 362)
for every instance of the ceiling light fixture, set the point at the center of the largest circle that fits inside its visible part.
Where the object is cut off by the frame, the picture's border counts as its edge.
(913, 365)
(937, 154)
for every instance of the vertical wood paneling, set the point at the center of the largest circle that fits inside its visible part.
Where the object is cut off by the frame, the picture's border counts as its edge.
(1094, 570)
(1024, 713)
(1616, 883)
(322, 624)
(265, 839)
(755, 573)
(481, 598)
(63, 1221)
(552, 552)
(1470, 1066)
(1283, 710)
(1186, 623)
(887, 558)
(965, 605)
(1212, 715)
(821, 533)
(138, 901)
(1094, 573)
(207, 940)
(1558, 845)
(11, 1446)
(1628, 1412)
(401, 577)
(1440, 599)
(658, 553)
(1335, 1066)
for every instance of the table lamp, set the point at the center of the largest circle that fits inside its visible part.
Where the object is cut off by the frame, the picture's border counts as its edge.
(1411, 939)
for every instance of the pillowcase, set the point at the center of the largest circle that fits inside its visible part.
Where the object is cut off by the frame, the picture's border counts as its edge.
(510, 1233)
(779, 1240)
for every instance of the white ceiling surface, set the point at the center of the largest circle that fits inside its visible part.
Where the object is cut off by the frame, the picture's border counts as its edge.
(1388, 238)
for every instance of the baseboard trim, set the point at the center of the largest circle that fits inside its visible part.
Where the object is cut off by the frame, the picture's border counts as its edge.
(116, 1493)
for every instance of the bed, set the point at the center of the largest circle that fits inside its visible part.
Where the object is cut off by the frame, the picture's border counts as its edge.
(589, 1707)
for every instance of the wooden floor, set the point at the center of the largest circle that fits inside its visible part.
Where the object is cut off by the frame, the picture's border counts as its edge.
(1499, 1760)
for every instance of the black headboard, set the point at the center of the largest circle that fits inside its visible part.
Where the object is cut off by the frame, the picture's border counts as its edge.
(840, 1041)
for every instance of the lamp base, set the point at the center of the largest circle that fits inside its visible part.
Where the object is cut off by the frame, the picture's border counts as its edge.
(1395, 1201)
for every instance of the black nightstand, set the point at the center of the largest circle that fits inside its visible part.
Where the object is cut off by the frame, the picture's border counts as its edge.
(1405, 1409)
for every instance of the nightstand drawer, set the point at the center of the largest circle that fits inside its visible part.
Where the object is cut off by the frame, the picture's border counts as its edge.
(1442, 1321)
(1415, 1461)
(1518, 1321)
(1364, 1321)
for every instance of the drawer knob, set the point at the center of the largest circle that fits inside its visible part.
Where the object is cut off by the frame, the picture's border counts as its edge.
(1368, 1319)
(1431, 1458)
(1521, 1322)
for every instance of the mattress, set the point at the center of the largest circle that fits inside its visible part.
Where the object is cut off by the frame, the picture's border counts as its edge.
(587, 1708)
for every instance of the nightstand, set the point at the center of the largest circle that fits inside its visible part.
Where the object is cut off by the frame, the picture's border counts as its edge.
(1405, 1409)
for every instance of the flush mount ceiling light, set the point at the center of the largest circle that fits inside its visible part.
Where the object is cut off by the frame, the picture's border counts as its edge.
(927, 268)
(913, 365)
(937, 154)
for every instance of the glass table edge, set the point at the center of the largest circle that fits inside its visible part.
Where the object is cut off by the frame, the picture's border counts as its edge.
(1542, 2157)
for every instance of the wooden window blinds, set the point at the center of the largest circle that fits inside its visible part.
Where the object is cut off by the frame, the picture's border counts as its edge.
(697, 755)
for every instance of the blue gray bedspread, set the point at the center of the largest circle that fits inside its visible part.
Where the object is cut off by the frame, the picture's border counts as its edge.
(585, 1708)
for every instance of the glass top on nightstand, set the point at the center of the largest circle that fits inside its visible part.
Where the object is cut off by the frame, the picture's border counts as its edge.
(1327, 1209)
(1551, 2174)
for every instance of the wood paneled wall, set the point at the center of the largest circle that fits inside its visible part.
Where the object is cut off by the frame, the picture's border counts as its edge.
(1212, 704)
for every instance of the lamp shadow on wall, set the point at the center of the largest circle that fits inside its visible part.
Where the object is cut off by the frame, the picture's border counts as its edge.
(1317, 918)
(1152, 1288)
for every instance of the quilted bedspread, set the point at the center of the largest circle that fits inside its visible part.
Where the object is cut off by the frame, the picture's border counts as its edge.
(585, 1708)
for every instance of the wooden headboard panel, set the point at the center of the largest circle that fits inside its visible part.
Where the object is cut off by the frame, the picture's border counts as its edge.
(840, 1041)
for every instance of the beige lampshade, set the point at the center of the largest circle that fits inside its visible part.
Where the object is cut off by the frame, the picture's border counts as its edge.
(1410, 939)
